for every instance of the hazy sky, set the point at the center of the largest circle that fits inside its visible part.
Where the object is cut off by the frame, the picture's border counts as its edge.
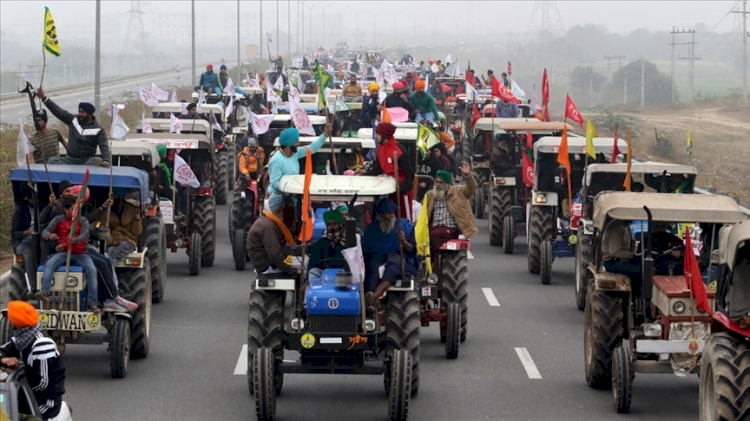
(618, 16)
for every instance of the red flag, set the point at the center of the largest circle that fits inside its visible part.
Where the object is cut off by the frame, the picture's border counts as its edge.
(499, 90)
(615, 149)
(545, 89)
(306, 232)
(693, 276)
(571, 111)
(510, 69)
(471, 79)
(528, 170)
(445, 87)
(529, 141)
(475, 115)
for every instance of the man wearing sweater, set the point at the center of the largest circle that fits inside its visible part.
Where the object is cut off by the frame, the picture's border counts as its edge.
(424, 104)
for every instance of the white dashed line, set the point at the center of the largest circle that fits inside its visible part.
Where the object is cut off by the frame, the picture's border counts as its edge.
(21, 112)
(469, 255)
(67, 103)
(528, 363)
(490, 296)
(241, 368)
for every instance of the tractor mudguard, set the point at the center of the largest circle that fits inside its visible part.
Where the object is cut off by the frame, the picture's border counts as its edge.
(608, 281)
(456, 245)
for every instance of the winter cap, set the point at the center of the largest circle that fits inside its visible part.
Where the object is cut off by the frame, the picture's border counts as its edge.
(289, 137)
(385, 128)
(22, 314)
(62, 186)
(41, 114)
(223, 67)
(87, 107)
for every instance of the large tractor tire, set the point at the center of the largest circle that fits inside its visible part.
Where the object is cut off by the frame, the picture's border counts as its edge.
(241, 215)
(509, 233)
(231, 168)
(265, 323)
(402, 329)
(545, 262)
(455, 284)
(622, 378)
(401, 381)
(6, 329)
(194, 254)
(603, 332)
(119, 348)
(500, 200)
(222, 172)
(239, 249)
(263, 372)
(17, 288)
(156, 239)
(725, 379)
(584, 256)
(204, 224)
(541, 228)
(136, 285)
(453, 330)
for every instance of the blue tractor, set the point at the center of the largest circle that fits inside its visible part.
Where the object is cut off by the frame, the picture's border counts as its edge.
(327, 323)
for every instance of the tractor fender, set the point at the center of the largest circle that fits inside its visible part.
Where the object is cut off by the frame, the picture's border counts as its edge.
(504, 181)
(608, 281)
(544, 198)
(456, 245)
(133, 260)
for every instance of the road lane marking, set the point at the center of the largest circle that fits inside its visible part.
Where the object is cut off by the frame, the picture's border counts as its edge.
(67, 103)
(241, 368)
(528, 363)
(471, 256)
(21, 112)
(490, 296)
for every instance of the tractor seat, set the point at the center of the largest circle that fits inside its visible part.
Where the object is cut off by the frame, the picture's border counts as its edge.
(61, 269)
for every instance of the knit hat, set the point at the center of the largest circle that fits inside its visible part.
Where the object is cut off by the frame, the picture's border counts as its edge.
(162, 150)
(373, 87)
(335, 215)
(87, 107)
(223, 67)
(444, 176)
(210, 66)
(76, 190)
(289, 137)
(385, 128)
(62, 186)
(22, 314)
(385, 206)
(275, 202)
(251, 142)
(419, 84)
(42, 114)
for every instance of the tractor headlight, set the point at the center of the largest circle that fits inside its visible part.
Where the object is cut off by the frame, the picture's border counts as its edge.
(71, 282)
(178, 243)
(652, 330)
(369, 325)
(297, 324)
(678, 307)
(432, 279)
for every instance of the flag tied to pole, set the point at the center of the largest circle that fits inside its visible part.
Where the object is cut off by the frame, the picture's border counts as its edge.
(145, 125)
(23, 147)
(159, 93)
(49, 37)
(147, 97)
(300, 118)
(615, 148)
(213, 122)
(590, 135)
(261, 123)
(118, 129)
(571, 111)
(183, 174)
(175, 125)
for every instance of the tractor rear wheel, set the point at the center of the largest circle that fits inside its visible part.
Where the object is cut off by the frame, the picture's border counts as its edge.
(239, 251)
(264, 327)
(402, 329)
(584, 256)
(17, 288)
(222, 168)
(725, 379)
(194, 254)
(509, 233)
(401, 382)
(263, 372)
(500, 199)
(453, 331)
(603, 331)
(6, 329)
(155, 241)
(455, 284)
(119, 348)
(545, 262)
(541, 228)
(204, 224)
(136, 284)
(231, 168)
(622, 378)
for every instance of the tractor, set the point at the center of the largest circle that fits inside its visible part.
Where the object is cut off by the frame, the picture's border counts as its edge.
(18, 398)
(642, 316)
(551, 225)
(65, 318)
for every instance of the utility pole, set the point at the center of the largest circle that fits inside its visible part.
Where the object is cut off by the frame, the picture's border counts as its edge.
(691, 62)
(289, 27)
(643, 82)
(193, 37)
(278, 40)
(239, 66)
(261, 31)
(98, 65)
(691, 51)
(745, 36)
(298, 50)
(609, 58)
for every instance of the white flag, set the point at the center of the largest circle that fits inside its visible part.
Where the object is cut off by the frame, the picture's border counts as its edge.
(532, 105)
(230, 107)
(213, 122)
(434, 68)
(471, 93)
(448, 60)
(184, 109)
(174, 96)
(453, 70)
(23, 147)
(355, 259)
(145, 125)
(159, 93)
(175, 125)
(183, 174)
(119, 129)
(300, 118)
(261, 123)
(271, 95)
(279, 84)
(294, 92)
(229, 89)
(201, 100)
(147, 97)
(516, 90)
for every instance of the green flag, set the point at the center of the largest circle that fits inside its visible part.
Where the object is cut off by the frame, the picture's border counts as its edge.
(426, 138)
(324, 81)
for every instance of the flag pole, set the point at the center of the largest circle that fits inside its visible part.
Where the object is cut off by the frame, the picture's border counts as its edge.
(330, 139)
(398, 215)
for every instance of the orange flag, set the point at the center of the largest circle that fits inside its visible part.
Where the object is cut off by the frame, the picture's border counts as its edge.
(386, 116)
(563, 158)
(626, 183)
(308, 217)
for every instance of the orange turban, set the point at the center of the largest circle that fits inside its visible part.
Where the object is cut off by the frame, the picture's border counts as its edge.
(419, 84)
(22, 314)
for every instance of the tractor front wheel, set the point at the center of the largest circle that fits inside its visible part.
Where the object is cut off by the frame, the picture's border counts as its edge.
(453, 331)
(603, 331)
(725, 379)
(541, 228)
(455, 284)
(400, 384)
(264, 375)
(204, 224)
(402, 329)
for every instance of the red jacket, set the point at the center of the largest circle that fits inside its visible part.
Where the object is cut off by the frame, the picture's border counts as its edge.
(385, 164)
(61, 225)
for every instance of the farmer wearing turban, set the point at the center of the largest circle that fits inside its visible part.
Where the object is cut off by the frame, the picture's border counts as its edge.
(448, 208)
(44, 370)
(370, 105)
(286, 162)
(327, 251)
(84, 135)
(380, 246)
(424, 104)
(386, 165)
(267, 237)
(399, 99)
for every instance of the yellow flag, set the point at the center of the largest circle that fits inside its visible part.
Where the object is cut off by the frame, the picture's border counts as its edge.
(590, 135)
(422, 235)
(690, 144)
(49, 37)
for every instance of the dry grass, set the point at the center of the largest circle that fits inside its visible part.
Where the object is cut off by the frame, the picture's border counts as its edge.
(8, 139)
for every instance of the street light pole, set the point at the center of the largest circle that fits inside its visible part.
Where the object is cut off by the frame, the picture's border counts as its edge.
(297, 25)
(261, 30)
(289, 26)
(193, 40)
(278, 41)
(239, 66)
(98, 66)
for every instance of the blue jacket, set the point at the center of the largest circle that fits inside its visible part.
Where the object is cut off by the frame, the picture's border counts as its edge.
(507, 111)
(281, 165)
(209, 80)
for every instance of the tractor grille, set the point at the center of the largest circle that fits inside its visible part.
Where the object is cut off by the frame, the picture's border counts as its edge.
(333, 324)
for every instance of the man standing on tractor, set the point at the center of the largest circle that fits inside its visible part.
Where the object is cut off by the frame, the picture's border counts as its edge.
(386, 165)
(505, 80)
(248, 160)
(209, 81)
(84, 135)
(46, 139)
(448, 208)
(371, 105)
(380, 246)
(267, 237)
(424, 104)
(287, 161)
(278, 64)
(44, 370)
(490, 75)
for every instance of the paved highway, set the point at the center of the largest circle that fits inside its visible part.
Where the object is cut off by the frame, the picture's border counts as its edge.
(10, 113)
(523, 359)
